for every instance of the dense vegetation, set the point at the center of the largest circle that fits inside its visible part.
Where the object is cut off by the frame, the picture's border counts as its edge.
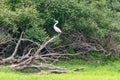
(36, 18)
(92, 17)
(88, 26)
(87, 48)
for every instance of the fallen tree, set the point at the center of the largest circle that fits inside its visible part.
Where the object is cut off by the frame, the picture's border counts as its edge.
(26, 60)
(32, 56)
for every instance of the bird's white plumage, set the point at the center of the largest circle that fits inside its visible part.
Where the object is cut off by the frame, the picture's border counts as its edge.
(56, 28)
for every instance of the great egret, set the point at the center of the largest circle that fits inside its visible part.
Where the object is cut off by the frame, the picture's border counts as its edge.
(56, 28)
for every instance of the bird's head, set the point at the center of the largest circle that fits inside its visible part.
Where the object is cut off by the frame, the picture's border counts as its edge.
(56, 21)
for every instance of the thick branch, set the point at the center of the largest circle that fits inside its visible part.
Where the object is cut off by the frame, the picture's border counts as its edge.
(31, 41)
(43, 45)
(11, 58)
(16, 48)
(26, 62)
(23, 64)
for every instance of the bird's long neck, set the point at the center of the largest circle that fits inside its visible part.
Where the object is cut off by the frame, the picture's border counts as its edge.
(55, 24)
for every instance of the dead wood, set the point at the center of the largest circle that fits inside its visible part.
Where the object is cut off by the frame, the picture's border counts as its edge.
(43, 45)
(25, 56)
(11, 58)
(26, 60)
(79, 69)
(23, 64)
(80, 44)
(53, 71)
(17, 45)
(31, 41)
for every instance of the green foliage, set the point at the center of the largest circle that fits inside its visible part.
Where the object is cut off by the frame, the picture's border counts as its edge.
(37, 34)
(22, 18)
(57, 41)
(36, 17)
(114, 5)
(92, 17)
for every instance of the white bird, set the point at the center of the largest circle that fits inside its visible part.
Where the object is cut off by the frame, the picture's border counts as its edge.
(56, 28)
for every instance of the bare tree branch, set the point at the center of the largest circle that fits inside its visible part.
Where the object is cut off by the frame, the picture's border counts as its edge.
(31, 41)
(11, 58)
(43, 45)
(16, 48)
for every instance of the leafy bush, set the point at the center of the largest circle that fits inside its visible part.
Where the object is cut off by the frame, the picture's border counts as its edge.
(93, 17)
(22, 18)
(36, 18)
